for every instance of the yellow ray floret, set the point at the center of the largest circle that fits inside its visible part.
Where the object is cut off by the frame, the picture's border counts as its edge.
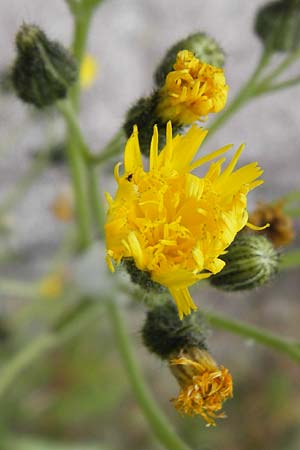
(192, 90)
(174, 224)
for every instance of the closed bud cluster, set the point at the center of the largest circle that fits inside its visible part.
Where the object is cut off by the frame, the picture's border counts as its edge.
(278, 25)
(202, 46)
(43, 70)
(251, 261)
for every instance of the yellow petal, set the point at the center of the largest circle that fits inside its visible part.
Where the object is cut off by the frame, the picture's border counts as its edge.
(132, 153)
(257, 228)
(154, 150)
(184, 301)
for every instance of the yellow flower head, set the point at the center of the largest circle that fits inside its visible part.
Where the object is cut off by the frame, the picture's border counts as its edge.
(88, 71)
(174, 224)
(193, 90)
(205, 386)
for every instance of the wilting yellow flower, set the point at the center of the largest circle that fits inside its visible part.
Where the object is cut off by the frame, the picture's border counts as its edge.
(88, 71)
(174, 224)
(281, 231)
(205, 386)
(193, 90)
(51, 286)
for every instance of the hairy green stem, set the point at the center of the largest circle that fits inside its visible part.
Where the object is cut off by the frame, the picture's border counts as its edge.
(91, 176)
(283, 65)
(113, 148)
(245, 93)
(290, 260)
(79, 180)
(285, 345)
(156, 419)
(82, 23)
(96, 201)
(69, 114)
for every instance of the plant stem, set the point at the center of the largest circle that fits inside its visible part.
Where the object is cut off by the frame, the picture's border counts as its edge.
(91, 172)
(245, 93)
(96, 203)
(69, 114)
(265, 89)
(158, 422)
(112, 149)
(290, 260)
(285, 345)
(290, 59)
(76, 148)
(79, 180)
(82, 23)
(48, 341)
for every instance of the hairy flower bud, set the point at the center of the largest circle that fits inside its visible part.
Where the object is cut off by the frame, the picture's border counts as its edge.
(204, 48)
(43, 70)
(144, 115)
(140, 277)
(165, 334)
(251, 261)
(278, 25)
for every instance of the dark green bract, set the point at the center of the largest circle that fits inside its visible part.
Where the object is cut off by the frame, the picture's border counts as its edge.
(251, 261)
(164, 333)
(204, 48)
(43, 70)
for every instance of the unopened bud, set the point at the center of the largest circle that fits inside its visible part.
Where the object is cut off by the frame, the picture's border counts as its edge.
(165, 334)
(251, 261)
(144, 114)
(278, 25)
(141, 277)
(43, 70)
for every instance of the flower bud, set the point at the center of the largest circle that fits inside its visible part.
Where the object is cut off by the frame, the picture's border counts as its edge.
(278, 25)
(204, 48)
(251, 261)
(165, 334)
(144, 115)
(192, 90)
(43, 70)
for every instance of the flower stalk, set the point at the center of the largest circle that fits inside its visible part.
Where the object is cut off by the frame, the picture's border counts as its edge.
(157, 420)
(290, 347)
